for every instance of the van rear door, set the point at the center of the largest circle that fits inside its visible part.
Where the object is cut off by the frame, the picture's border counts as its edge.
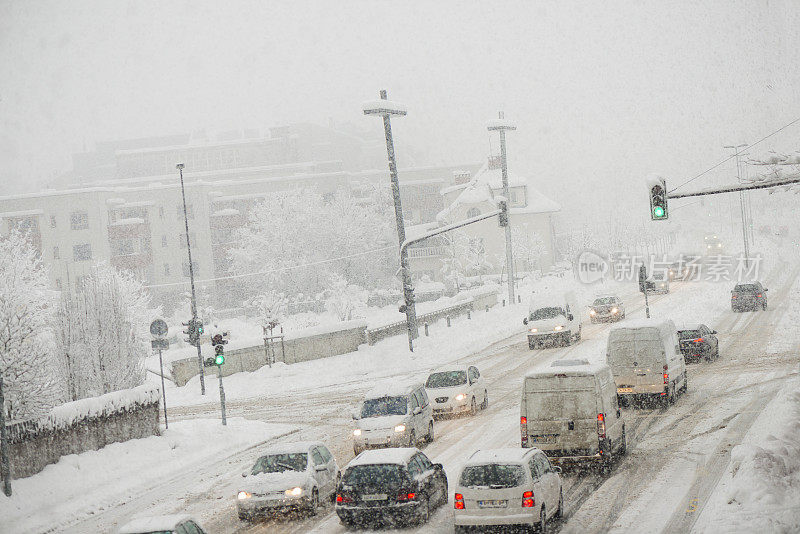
(637, 359)
(562, 414)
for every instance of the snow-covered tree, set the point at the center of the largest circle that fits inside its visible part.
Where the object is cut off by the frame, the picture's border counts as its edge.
(476, 259)
(30, 383)
(455, 246)
(342, 299)
(528, 249)
(271, 307)
(103, 335)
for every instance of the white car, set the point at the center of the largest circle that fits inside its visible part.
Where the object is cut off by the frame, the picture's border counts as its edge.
(163, 524)
(293, 476)
(507, 487)
(457, 389)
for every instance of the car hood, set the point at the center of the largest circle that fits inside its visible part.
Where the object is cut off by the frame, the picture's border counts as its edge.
(448, 391)
(273, 482)
(547, 325)
(387, 422)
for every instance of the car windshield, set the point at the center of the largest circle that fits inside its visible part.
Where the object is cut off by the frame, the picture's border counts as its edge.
(746, 288)
(376, 475)
(603, 300)
(546, 313)
(446, 379)
(492, 476)
(278, 463)
(689, 334)
(384, 406)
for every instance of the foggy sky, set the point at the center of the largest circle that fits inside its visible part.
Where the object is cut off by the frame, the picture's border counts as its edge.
(602, 93)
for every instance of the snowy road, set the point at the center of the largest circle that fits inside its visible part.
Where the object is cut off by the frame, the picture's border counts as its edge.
(676, 455)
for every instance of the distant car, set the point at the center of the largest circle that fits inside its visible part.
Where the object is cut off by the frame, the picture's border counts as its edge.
(750, 296)
(457, 389)
(608, 308)
(393, 415)
(507, 488)
(698, 341)
(713, 246)
(395, 486)
(290, 477)
(163, 524)
(658, 282)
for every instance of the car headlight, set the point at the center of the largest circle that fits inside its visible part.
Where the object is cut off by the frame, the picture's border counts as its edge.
(534, 330)
(357, 432)
(662, 285)
(614, 310)
(592, 312)
(460, 397)
(719, 245)
(294, 492)
(400, 428)
(559, 327)
(243, 495)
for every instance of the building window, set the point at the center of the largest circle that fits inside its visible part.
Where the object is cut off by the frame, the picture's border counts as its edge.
(52, 221)
(56, 253)
(82, 252)
(166, 269)
(126, 246)
(164, 241)
(473, 212)
(79, 220)
(195, 268)
(189, 212)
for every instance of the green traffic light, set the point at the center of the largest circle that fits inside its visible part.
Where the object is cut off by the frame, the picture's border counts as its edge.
(219, 360)
(658, 212)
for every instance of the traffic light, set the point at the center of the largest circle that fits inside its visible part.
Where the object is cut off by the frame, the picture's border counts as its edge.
(658, 199)
(193, 331)
(219, 355)
(642, 277)
(502, 217)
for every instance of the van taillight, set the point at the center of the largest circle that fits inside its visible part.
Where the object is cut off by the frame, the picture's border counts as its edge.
(523, 429)
(601, 426)
(666, 378)
(528, 500)
(458, 502)
(523, 420)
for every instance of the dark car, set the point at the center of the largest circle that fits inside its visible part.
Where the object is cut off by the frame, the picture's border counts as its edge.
(606, 308)
(751, 296)
(398, 486)
(698, 341)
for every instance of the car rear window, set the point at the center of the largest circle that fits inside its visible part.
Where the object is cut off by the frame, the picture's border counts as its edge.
(492, 476)
(746, 288)
(446, 379)
(688, 334)
(556, 405)
(381, 475)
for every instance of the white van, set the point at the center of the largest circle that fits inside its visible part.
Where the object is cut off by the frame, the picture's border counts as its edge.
(646, 360)
(569, 410)
(553, 320)
(393, 415)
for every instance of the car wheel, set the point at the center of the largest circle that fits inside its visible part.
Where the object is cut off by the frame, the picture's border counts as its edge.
(429, 437)
(485, 403)
(423, 511)
(312, 510)
(531, 345)
(473, 407)
(560, 511)
(716, 353)
(412, 439)
(578, 335)
(543, 521)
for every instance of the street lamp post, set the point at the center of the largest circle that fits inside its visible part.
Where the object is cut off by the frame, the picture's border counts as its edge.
(741, 205)
(502, 125)
(386, 109)
(180, 166)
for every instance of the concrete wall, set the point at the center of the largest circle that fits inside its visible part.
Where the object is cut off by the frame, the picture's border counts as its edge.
(32, 446)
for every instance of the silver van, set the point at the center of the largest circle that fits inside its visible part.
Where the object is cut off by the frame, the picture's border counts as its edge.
(646, 360)
(393, 415)
(569, 410)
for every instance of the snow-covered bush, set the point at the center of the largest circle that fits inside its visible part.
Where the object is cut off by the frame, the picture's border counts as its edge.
(26, 340)
(343, 298)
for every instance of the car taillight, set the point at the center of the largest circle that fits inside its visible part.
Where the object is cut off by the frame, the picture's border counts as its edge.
(403, 497)
(759, 295)
(601, 426)
(458, 502)
(523, 428)
(527, 500)
(666, 378)
(343, 498)
(698, 340)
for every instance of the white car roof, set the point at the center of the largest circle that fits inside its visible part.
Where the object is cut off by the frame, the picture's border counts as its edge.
(449, 368)
(662, 325)
(688, 326)
(392, 389)
(392, 455)
(512, 455)
(154, 523)
(567, 367)
(291, 448)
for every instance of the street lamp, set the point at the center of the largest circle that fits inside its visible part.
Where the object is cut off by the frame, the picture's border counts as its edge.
(386, 108)
(736, 148)
(501, 125)
(180, 167)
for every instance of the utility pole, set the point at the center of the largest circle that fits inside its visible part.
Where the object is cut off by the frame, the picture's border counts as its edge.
(180, 166)
(386, 109)
(5, 468)
(741, 205)
(502, 126)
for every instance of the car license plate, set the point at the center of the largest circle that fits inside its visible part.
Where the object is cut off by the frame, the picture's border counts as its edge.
(546, 438)
(374, 497)
(492, 504)
(624, 390)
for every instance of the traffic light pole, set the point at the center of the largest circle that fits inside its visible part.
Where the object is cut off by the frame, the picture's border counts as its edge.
(646, 302)
(221, 395)
(504, 173)
(163, 391)
(5, 468)
(191, 280)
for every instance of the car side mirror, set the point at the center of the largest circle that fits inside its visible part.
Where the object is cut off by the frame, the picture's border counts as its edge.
(244, 474)
(765, 289)
(356, 415)
(570, 317)
(557, 469)
(525, 320)
(713, 331)
(417, 410)
(619, 412)
(438, 467)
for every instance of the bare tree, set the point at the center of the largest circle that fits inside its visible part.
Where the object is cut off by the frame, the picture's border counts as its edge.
(26, 341)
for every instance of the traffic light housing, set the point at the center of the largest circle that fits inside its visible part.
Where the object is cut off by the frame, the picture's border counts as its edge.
(658, 199)
(193, 331)
(502, 217)
(219, 354)
(642, 278)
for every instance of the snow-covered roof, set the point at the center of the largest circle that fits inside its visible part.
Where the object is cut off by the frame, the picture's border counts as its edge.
(491, 456)
(567, 367)
(417, 230)
(688, 326)
(501, 124)
(380, 107)
(290, 448)
(157, 523)
(391, 388)
(393, 455)
(24, 213)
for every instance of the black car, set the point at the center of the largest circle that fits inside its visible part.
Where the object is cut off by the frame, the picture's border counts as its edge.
(698, 341)
(751, 296)
(395, 486)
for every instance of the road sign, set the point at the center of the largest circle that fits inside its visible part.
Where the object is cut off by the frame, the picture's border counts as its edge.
(158, 328)
(160, 343)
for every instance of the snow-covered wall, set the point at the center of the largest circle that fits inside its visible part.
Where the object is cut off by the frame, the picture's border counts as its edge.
(82, 425)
